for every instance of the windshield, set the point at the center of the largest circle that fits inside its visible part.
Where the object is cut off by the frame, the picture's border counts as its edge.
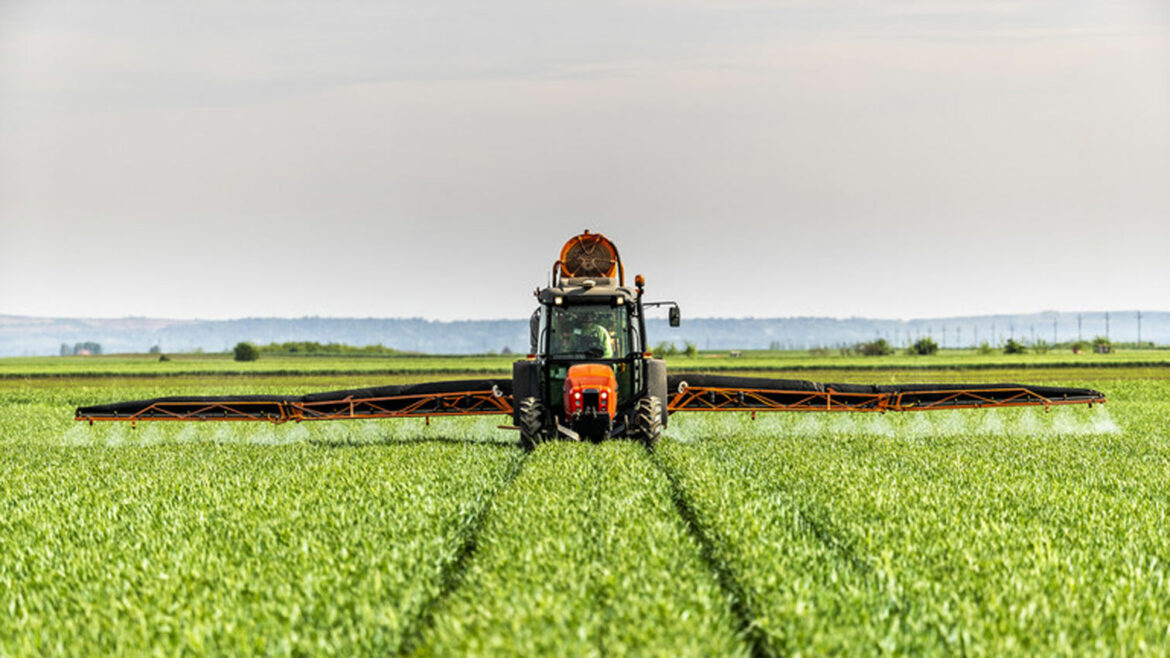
(595, 332)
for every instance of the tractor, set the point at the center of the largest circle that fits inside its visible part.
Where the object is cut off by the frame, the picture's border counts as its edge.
(589, 372)
(589, 375)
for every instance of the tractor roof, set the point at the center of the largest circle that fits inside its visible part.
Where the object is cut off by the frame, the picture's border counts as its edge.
(586, 291)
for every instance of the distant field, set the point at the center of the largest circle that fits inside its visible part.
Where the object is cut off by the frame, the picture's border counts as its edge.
(749, 361)
(996, 532)
(222, 364)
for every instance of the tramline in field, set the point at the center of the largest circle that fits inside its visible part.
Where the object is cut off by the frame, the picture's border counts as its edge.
(589, 375)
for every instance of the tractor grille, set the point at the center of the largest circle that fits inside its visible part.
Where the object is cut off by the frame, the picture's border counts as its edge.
(590, 398)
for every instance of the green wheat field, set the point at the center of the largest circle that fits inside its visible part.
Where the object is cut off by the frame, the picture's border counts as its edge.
(991, 532)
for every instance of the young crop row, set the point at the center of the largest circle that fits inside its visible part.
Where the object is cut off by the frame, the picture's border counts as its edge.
(212, 365)
(231, 547)
(1032, 539)
(985, 532)
(585, 554)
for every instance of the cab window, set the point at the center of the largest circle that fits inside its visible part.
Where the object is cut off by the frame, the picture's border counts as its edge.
(594, 332)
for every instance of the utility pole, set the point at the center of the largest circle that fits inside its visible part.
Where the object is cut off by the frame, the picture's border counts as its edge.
(1054, 341)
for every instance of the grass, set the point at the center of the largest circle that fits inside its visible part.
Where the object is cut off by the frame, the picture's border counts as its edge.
(1037, 535)
(585, 555)
(1000, 532)
(210, 548)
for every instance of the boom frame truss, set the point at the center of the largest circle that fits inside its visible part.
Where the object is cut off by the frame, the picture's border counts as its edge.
(459, 403)
(494, 401)
(706, 398)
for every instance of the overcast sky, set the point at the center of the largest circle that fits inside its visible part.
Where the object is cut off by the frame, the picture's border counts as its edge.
(887, 159)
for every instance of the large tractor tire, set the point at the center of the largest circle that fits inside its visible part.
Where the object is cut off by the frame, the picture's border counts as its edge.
(656, 383)
(648, 421)
(530, 417)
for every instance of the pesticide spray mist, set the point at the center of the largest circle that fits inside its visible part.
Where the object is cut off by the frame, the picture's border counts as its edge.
(684, 427)
(352, 433)
(1022, 422)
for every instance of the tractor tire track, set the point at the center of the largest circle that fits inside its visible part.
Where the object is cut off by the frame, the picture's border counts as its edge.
(451, 577)
(600, 594)
(812, 524)
(822, 531)
(745, 616)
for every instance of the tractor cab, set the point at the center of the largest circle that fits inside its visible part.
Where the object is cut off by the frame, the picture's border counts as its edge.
(588, 374)
(594, 331)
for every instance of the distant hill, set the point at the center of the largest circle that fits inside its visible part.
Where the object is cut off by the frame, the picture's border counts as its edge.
(31, 336)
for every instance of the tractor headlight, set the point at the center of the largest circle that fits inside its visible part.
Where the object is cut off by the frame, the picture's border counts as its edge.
(558, 300)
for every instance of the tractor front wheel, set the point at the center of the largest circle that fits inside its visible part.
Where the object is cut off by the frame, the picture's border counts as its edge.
(648, 421)
(531, 423)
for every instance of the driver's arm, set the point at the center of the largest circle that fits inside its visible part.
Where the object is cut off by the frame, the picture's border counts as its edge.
(606, 342)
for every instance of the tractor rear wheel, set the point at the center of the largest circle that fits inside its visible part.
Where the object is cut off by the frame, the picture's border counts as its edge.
(531, 423)
(648, 421)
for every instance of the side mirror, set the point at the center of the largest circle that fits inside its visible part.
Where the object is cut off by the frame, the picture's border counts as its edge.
(675, 316)
(534, 331)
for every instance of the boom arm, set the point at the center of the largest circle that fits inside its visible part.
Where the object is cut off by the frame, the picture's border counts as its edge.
(694, 392)
(462, 398)
(700, 392)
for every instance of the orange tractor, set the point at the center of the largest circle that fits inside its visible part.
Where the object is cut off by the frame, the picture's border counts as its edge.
(589, 375)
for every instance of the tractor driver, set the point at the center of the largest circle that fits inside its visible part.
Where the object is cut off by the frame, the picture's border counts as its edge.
(590, 335)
